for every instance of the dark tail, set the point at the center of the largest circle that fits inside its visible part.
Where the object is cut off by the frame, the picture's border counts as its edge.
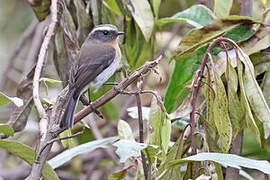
(67, 118)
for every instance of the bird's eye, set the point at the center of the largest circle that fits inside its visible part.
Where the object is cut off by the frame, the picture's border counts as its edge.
(105, 32)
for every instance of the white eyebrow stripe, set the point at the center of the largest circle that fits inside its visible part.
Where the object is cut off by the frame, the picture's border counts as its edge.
(103, 29)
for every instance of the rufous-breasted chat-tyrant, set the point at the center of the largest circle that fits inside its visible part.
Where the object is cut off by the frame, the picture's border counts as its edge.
(97, 60)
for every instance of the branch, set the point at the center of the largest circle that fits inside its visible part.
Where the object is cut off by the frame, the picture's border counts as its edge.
(140, 119)
(37, 166)
(54, 130)
(115, 91)
(196, 85)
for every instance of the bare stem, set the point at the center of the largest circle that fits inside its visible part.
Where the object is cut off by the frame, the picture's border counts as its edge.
(196, 85)
(140, 120)
(38, 165)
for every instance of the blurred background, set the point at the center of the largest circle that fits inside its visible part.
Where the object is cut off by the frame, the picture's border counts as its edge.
(19, 29)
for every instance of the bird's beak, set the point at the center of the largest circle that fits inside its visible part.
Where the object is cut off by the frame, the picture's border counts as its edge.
(120, 33)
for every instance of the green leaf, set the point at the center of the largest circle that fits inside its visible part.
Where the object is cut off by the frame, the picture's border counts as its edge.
(161, 126)
(219, 171)
(66, 142)
(255, 96)
(175, 152)
(184, 71)
(197, 16)
(177, 91)
(127, 149)
(124, 130)
(144, 20)
(165, 135)
(211, 133)
(6, 130)
(42, 9)
(54, 81)
(222, 8)
(137, 49)
(200, 37)
(28, 154)
(244, 19)
(266, 86)
(236, 109)
(156, 5)
(4, 99)
(251, 147)
(231, 160)
(81, 149)
(157, 117)
(243, 99)
(221, 116)
(85, 23)
(120, 175)
(114, 6)
(259, 41)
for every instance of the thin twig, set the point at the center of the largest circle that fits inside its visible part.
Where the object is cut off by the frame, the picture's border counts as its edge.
(140, 120)
(37, 40)
(197, 78)
(114, 92)
(54, 130)
(60, 139)
(37, 167)
(158, 98)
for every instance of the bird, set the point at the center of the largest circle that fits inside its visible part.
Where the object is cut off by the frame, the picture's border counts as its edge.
(98, 59)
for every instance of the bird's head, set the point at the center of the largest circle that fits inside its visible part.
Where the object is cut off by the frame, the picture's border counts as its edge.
(105, 33)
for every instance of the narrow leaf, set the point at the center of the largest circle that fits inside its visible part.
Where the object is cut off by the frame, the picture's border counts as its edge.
(4, 99)
(6, 130)
(259, 41)
(199, 37)
(177, 91)
(124, 130)
(236, 109)
(41, 9)
(144, 20)
(66, 142)
(255, 95)
(54, 81)
(243, 99)
(197, 16)
(156, 4)
(120, 175)
(266, 87)
(221, 116)
(222, 8)
(165, 135)
(28, 154)
(113, 6)
(127, 149)
(81, 149)
(211, 133)
(231, 160)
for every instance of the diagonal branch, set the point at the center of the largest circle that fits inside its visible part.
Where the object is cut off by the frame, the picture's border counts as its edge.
(54, 130)
(115, 91)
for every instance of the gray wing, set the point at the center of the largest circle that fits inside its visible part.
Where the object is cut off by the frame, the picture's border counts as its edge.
(90, 65)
